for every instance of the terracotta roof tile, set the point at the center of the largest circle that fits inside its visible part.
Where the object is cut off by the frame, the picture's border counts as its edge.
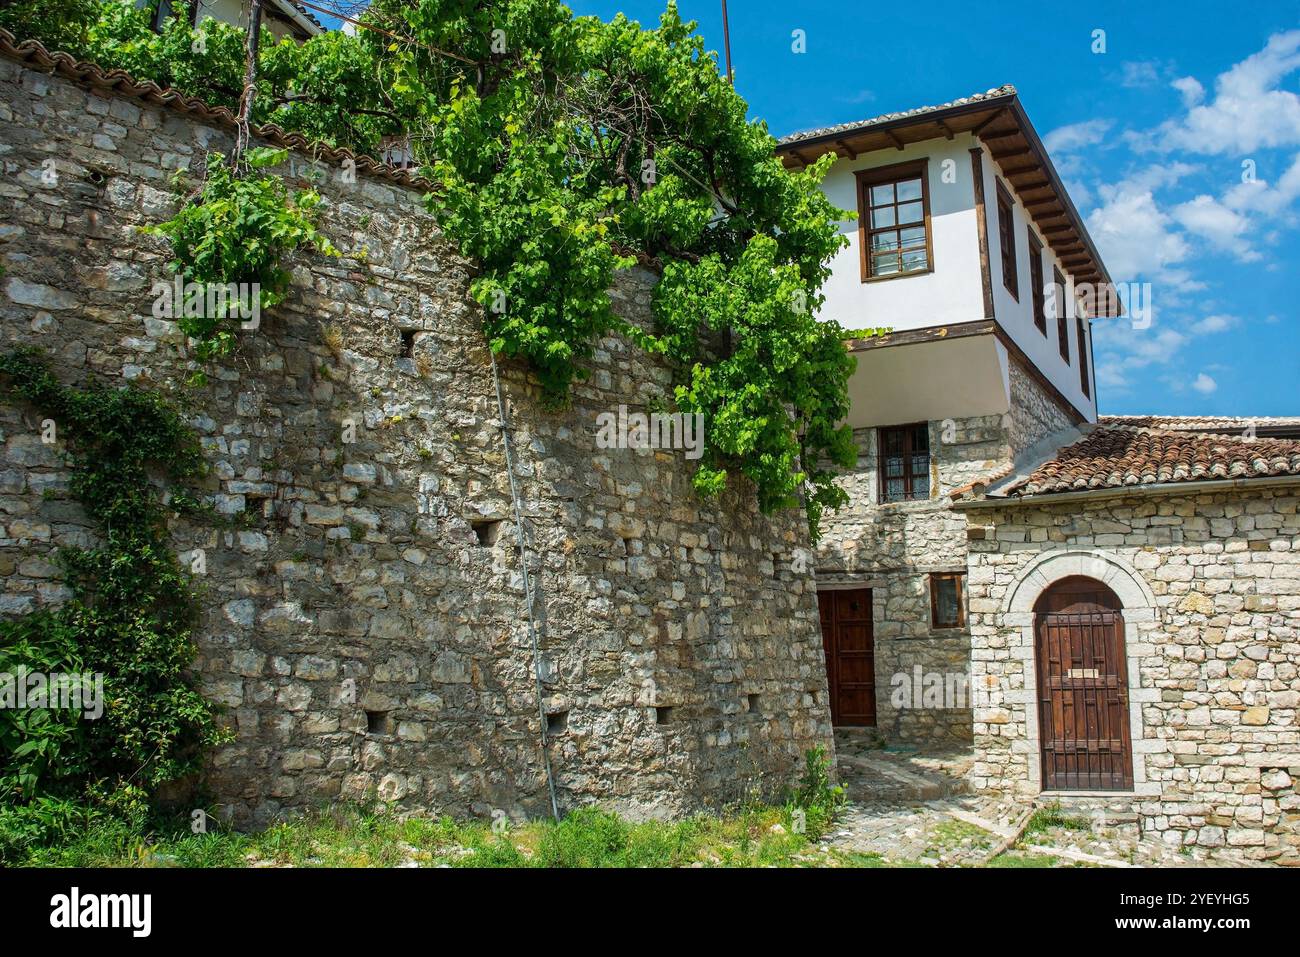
(1121, 455)
(1227, 424)
(34, 54)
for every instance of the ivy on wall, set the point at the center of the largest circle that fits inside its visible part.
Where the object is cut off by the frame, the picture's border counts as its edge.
(128, 618)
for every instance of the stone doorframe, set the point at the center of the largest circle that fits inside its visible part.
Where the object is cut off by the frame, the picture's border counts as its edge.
(1017, 618)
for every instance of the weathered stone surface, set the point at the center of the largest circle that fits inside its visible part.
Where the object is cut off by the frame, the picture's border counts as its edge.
(366, 632)
(1214, 664)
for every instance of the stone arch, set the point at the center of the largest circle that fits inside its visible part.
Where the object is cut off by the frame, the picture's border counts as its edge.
(1016, 621)
(1109, 569)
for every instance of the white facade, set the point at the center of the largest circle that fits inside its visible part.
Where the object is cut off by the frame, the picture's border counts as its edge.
(975, 375)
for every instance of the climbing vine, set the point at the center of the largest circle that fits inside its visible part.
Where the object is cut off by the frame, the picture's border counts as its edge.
(128, 617)
(234, 232)
(565, 149)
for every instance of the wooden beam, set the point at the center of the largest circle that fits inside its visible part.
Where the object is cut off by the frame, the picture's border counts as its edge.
(989, 122)
(848, 149)
(911, 337)
(947, 130)
(981, 223)
(894, 139)
(1007, 154)
(1026, 187)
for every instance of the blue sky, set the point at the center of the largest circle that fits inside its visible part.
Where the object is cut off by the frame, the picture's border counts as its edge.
(1150, 137)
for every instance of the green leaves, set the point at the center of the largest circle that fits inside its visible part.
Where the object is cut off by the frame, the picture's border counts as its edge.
(130, 613)
(235, 233)
(581, 137)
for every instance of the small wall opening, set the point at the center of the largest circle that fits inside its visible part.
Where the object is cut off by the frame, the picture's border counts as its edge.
(557, 722)
(776, 564)
(751, 701)
(378, 722)
(664, 714)
(408, 343)
(486, 531)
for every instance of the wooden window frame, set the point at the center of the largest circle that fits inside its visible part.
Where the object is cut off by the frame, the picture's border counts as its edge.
(1081, 334)
(865, 178)
(1036, 294)
(959, 578)
(1007, 240)
(909, 478)
(1062, 316)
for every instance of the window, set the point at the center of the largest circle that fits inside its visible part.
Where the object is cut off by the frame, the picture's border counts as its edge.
(1036, 292)
(905, 463)
(1080, 333)
(894, 221)
(1058, 305)
(946, 608)
(1007, 242)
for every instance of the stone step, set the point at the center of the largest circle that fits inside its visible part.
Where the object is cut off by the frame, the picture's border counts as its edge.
(884, 776)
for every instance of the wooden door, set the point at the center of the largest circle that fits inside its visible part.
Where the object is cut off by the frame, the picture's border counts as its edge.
(1083, 718)
(849, 641)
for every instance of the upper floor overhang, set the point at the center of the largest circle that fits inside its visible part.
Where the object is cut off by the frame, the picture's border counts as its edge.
(998, 120)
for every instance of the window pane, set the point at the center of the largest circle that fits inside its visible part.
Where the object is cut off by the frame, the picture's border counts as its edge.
(914, 236)
(893, 439)
(885, 240)
(910, 213)
(885, 264)
(921, 465)
(921, 438)
(882, 194)
(909, 189)
(882, 217)
(893, 467)
(947, 597)
(894, 491)
(914, 260)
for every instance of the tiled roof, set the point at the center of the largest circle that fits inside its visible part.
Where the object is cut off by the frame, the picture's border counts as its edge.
(1007, 90)
(1203, 423)
(120, 83)
(1121, 455)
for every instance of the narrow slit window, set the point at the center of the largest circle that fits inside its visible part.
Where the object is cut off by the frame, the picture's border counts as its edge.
(1007, 243)
(408, 343)
(1062, 314)
(947, 609)
(1081, 334)
(1037, 292)
(486, 531)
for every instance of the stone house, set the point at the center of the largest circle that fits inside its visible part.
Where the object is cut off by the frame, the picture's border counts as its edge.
(1098, 607)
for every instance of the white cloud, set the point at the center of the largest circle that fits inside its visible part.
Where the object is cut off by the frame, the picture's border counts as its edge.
(1191, 90)
(1137, 240)
(1139, 73)
(1210, 219)
(1076, 136)
(1248, 111)
(1212, 324)
(1204, 384)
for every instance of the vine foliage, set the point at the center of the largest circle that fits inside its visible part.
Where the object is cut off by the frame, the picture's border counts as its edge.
(128, 618)
(565, 149)
(236, 229)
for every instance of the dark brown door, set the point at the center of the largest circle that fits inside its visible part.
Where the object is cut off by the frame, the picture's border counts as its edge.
(1082, 688)
(849, 641)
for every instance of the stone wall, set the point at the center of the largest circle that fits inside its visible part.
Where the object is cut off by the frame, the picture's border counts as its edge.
(363, 620)
(1210, 585)
(893, 548)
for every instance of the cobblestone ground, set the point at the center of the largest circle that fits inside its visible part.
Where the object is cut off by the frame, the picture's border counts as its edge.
(911, 809)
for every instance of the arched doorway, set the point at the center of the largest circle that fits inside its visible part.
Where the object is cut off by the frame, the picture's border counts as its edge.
(1083, 720)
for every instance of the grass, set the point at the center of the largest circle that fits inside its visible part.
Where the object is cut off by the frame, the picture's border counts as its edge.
(349, 836)
(1024, 859)
(1048, 818)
